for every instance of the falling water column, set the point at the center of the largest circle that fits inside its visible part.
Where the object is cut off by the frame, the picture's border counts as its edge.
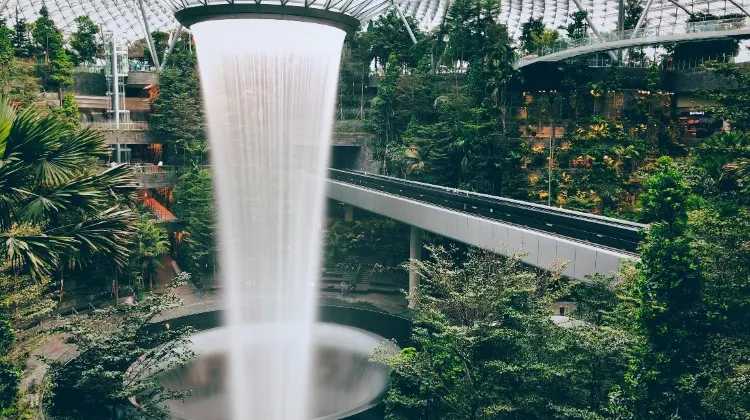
(269, 90)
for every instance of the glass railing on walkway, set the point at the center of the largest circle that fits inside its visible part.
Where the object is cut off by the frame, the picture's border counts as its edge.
(123, 126)
(661, 31)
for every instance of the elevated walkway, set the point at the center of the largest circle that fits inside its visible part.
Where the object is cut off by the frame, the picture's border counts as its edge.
(591, 244)
(663, 34)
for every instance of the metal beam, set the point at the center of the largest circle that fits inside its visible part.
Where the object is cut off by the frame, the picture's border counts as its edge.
(684, 9)
(593, 27)
(638, 25)
(739, 7)
(406, 23)
(149, 38)
(641, 19)
(172, 42)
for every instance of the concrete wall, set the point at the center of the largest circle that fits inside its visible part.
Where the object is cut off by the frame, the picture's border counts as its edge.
(691, 82)
(157, 180)
(93, 84)
(142, 78)
(366, 159)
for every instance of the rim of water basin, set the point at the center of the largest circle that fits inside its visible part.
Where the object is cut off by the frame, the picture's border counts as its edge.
(212, 343)
(192, 15)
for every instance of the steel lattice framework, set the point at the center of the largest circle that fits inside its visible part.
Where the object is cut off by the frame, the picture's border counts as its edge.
(132, 18)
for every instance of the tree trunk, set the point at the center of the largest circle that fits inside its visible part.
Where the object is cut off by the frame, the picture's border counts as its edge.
(115, 288)
(362, 94)
(62, 283)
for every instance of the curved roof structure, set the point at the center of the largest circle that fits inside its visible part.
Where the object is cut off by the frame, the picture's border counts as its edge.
(128, 18)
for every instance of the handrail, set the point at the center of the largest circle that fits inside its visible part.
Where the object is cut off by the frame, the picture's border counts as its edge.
(123, 126)
(647, 32)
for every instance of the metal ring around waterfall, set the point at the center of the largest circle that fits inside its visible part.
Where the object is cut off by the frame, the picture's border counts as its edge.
(192, 15)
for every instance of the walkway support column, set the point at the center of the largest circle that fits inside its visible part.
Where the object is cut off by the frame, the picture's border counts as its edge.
(348, 213)
(415, 254)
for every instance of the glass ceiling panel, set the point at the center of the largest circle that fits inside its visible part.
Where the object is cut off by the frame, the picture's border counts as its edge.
(125, 17)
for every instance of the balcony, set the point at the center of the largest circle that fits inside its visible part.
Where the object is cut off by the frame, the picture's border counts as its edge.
(126, 133)
(142, 78)
(152, 176)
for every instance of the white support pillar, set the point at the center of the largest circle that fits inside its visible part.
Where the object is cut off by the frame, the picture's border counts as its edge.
(415, 254)
(593, 27)
(406, 23)
(116, 87)
(172, 42)
(638, 25)
(149, 38)
(641, 19)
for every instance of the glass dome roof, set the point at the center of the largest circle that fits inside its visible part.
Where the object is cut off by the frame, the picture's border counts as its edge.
(126, 17)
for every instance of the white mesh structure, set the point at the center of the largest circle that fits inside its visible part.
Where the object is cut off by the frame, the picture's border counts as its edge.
(122, 16)
(126, 18)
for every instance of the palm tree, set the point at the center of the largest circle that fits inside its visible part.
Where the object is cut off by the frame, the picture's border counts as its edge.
(740, 170)
(56, 210)
(153, 243)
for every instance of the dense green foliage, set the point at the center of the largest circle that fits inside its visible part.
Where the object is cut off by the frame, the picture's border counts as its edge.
(194, 206)
(484, 347)
(177, 113)
(119, 353)
(152, 243)
(49, 42)
(55, 210)
(59, 216)
(21, 40)
(84, 41)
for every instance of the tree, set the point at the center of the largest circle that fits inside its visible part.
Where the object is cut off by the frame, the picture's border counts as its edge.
(732, 96)
(23, 48)
(578, 27)
(534, 27)
(387, 36)
(120, 353)
(177, 111)
(68, 112)
(670, 313)
(10, 376)
(19, 84)
(84, 41)
(383, 105)
(152, 244)
(56, 212)
(483, 347)
(61, 70)
(161, 43)
(718, 154)
(47, 37)
(6, 46)
(194, 205)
